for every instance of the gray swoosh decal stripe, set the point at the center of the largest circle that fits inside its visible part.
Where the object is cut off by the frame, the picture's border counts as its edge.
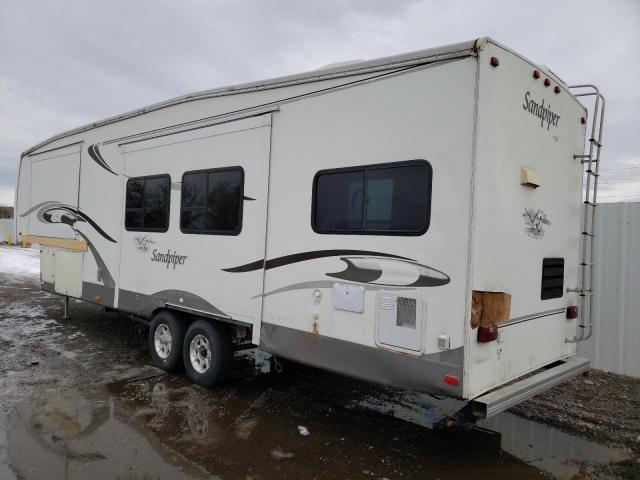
(107, 278)
(45, 207)
(85, 217)
(405, 273)
(42, 204)
(357, 274)
(325, 284)
(188, 299)
(303, 257)
(94, 153)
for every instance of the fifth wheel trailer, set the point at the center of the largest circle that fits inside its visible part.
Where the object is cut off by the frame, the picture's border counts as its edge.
(413, 221)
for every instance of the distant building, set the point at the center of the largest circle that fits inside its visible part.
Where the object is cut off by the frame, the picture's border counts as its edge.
(6, 212)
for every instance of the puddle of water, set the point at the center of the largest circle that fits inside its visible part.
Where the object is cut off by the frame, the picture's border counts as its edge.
(549, 449)
(166, 428)
(561, 454)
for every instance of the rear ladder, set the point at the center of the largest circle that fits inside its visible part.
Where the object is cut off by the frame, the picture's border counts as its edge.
(592, 173)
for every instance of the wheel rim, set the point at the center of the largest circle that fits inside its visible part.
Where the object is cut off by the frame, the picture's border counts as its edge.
(162, 341)
(200, 353)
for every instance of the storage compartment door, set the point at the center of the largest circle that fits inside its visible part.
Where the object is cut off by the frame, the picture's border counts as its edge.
(68, 272)
(54, 182)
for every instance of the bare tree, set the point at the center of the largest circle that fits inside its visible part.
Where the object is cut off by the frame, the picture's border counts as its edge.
(6, 211)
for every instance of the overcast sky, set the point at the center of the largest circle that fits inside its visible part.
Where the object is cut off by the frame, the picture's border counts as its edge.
(66, 63)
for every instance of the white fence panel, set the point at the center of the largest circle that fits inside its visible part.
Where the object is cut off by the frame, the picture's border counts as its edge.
(7, 227)
(615, 343)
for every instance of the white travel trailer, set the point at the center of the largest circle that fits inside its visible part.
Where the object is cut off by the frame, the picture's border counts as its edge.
(413, 221)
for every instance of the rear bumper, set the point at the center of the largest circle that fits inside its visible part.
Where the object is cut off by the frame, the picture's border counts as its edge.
(504, 397)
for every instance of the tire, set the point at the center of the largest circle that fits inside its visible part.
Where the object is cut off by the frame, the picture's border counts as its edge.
(166, 337)
(207, 353)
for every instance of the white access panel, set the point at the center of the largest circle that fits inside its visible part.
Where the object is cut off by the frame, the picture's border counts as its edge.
(48, 265)
(400, 320)
(68, 272)
(348, 297)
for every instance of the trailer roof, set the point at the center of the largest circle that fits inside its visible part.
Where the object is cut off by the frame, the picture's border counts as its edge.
(336, 71)
(346, 69)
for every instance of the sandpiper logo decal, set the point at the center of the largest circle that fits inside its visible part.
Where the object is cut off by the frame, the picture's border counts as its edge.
(142, 242)
(534, 220)
(541, 111)
(168, 258)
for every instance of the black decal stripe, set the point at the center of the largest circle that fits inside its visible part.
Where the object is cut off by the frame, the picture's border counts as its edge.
(303, 257)
(85, 217)
(42, 204)
(107, 278)
(356, 274)
(424, 281)
(95, 154)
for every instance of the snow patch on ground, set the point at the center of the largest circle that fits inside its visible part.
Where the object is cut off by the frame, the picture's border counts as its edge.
(19, 261)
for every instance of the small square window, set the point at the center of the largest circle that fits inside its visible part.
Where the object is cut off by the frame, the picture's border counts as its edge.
(147, 204)
(212, 201)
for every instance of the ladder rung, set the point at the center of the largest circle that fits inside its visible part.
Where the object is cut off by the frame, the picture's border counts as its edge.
(588, 234)
(591, 172)
(588, 264)
(593, 160)
(593, 140)
(581, 156)
(586, 202)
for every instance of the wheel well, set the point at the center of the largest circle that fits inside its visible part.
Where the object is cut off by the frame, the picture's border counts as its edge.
(239, 332)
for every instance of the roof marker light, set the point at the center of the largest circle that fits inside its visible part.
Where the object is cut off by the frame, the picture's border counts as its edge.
(547, 82)
(583, 120)
(495, 61)
(572, 312)
(556, 89)
(536, 74)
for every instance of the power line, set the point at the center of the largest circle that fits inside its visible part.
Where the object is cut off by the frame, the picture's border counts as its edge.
(613, 182)
(619, 168)
(620, 196)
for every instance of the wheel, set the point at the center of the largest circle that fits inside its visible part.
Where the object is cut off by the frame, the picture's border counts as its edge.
(166, 335)
(207, 353)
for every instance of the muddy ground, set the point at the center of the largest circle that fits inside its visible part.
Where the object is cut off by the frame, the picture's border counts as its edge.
(79, 399)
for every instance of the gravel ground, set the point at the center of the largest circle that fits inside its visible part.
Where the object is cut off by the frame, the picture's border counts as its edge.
(601, 406)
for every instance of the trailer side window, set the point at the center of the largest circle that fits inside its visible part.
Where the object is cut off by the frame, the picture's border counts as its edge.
(212, 201)
(384, 199)
(147, 204)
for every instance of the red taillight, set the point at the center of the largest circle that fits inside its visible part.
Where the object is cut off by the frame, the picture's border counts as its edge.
(536, 74)
(495, 61)
(572, 312)
(556, 89)
(547, 82)
(451, 380)
(583, 120)
(487, 333)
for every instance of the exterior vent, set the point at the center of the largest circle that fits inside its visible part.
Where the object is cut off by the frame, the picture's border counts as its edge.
(400, 321)
(552, 278)
(406, 312)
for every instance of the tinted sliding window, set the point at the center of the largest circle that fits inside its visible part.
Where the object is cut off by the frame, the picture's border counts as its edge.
(147, 204)
(387, 199)
(212, 201)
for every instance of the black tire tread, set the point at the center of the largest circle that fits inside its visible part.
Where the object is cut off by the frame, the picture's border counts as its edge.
(222, 352)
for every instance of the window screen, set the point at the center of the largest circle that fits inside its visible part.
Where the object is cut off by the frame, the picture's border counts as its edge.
(147, 204)
(388, 199)
(212, 201)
